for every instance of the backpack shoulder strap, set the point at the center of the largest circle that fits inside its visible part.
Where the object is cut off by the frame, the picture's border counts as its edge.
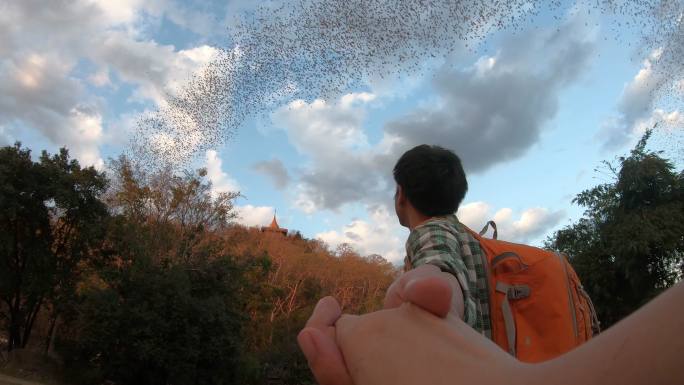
(486, 227)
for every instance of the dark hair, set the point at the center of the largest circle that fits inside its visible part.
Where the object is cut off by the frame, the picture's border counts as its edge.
(432, 179)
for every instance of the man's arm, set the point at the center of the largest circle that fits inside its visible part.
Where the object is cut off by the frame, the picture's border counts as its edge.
(409, 346)
(434, 246)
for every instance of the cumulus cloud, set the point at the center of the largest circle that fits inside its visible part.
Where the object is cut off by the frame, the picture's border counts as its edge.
(635, 107)
(275, 170)
(475, 215)
(35, 89)
(100, 78)
(221, 182)
(529, 225)
(327, 128)
(489, 112)
(495, 110)
(331, 135)
(249, 215)
(42, 44)
(192, 16)
(381, 234)
(156, 69)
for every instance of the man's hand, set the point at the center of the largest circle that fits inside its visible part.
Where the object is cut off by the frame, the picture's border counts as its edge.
(427, 288)
(408, 346)
(419, 287)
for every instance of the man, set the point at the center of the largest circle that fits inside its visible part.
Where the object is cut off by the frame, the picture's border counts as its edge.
(430, 185)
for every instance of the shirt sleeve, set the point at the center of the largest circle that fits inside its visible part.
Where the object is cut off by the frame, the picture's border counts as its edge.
(435, 246)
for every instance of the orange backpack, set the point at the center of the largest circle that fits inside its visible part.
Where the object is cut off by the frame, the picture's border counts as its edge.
(538, 307)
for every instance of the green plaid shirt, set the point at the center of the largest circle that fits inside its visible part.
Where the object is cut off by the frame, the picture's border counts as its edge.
(444, 242)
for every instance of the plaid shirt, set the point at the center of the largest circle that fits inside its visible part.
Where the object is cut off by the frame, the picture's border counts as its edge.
(444, 242)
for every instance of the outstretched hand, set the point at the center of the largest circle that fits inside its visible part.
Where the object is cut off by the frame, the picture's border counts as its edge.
(426, 287)
(318, 343)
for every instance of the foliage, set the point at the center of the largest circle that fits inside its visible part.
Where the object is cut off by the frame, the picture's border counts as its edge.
(165, 197)
(51, 219)
(152, 324)
(144, 279)
(628, 247)
(302, 272)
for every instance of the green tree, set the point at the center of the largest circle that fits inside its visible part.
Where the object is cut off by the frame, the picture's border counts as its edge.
(629, 245)
(51, 220)
(168, 305)
(153, 324)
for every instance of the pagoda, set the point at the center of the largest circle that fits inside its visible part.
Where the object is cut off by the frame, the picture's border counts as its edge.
(274, 228)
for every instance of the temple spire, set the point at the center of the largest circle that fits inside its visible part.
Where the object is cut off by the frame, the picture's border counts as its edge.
(274, 223)
(274, 227)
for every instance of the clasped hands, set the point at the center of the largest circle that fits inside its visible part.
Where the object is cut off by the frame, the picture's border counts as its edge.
(418, 338)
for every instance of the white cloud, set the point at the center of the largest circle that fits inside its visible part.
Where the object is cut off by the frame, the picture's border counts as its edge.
(86, 136)
(36, 89)
(249, 215)
(666, 121)
(381, 234)
(322, 129)
(120, 11)
(331, 135)
(484, 65)
(220, 180)
(41, 44)
(474, 215)
(156, 69)
(129, 13)
(636, 110)
(531, 224)
(100, 78)
(500, 102)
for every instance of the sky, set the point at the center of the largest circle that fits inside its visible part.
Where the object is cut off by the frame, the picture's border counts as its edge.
(531, 110)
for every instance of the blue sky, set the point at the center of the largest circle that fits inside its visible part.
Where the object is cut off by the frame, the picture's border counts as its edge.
(532, 111)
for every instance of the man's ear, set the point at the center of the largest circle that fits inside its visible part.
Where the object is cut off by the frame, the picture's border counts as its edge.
(401, 197)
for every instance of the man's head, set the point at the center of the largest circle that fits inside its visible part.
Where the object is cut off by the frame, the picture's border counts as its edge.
(430, 180)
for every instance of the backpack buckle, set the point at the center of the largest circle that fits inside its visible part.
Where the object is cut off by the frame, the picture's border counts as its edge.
(518, 292)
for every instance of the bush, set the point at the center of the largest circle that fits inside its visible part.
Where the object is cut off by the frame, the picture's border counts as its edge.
(154, 324)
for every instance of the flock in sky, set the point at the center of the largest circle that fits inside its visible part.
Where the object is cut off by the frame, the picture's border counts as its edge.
(308, 49)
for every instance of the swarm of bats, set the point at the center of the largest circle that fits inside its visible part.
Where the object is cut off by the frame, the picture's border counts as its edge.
(307, 49)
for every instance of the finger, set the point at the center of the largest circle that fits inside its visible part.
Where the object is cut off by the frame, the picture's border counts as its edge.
(324, 357)
(396, 293)
(393, 297)
(432, 294)
(326, 312)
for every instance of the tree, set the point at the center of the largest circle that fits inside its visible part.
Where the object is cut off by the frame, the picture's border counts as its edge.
(164, 196)
(152, 324)
(50, 220)
(629, 246)
(176, 209)
(167, 305)
(303, 271)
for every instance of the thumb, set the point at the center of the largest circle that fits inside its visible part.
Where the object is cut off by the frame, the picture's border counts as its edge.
(432, 294)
